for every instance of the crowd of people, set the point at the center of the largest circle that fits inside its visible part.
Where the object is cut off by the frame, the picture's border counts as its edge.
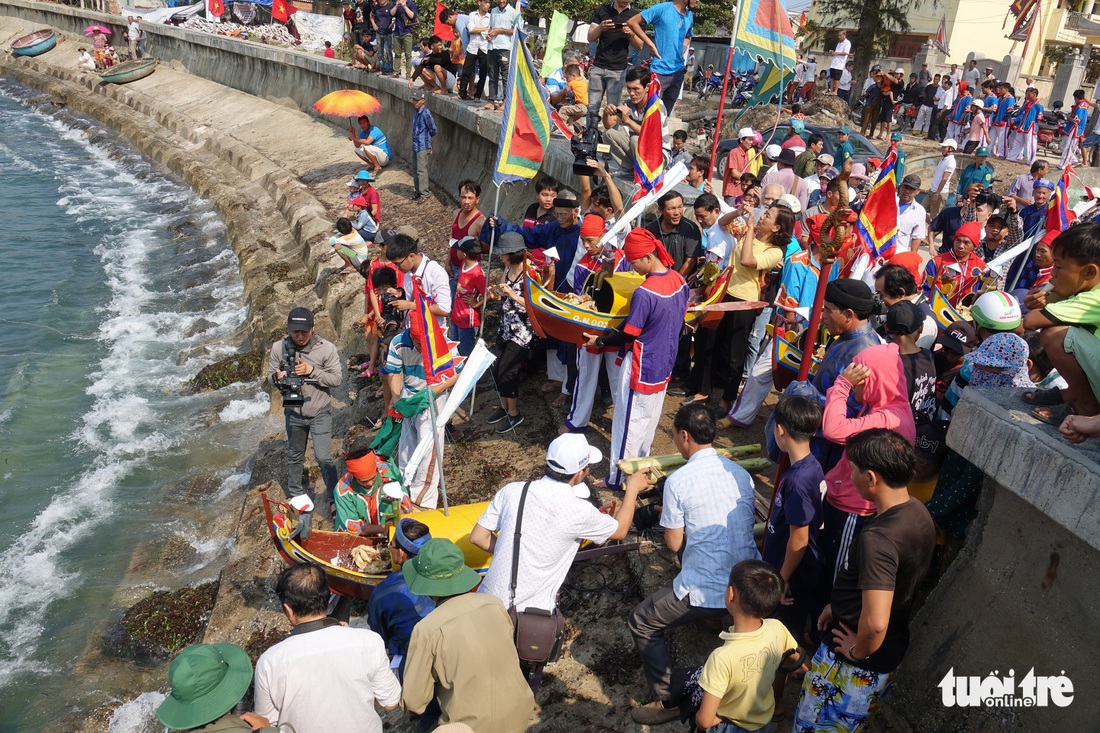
(870, 504)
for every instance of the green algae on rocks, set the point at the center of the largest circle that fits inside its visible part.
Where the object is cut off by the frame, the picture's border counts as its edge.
(236, 368)
(161, 624)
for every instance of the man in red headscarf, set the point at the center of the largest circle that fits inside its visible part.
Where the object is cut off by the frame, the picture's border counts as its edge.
(647, 342)
(597, 259)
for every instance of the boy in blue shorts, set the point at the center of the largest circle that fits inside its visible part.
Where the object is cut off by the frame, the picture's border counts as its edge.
(737, 678)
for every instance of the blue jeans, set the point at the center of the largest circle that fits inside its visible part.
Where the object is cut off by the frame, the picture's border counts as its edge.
(298, 431)
(385, 50)
(756, 337)
(466, 338)
(670, 89)
(604, 83)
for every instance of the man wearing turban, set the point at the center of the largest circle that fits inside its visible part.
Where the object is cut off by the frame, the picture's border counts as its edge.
(647, 341)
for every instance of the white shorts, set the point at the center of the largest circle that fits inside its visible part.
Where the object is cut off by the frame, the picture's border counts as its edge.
(378, 153)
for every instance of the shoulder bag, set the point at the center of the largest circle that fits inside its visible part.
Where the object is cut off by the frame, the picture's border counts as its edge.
(538, 633)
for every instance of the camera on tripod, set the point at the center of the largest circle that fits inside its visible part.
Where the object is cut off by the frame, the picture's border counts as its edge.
(290, 385)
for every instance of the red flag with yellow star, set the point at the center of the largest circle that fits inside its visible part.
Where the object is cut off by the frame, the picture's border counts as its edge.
(217, 8)
(281, 10)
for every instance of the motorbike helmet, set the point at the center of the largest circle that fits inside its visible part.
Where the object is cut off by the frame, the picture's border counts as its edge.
(996, 311)
(757, 138)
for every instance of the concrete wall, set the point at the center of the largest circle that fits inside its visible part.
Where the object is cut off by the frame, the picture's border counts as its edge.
(464, 148)
(1025, 591)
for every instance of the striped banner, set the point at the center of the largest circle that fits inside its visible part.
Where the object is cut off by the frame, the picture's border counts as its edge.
(525, 129)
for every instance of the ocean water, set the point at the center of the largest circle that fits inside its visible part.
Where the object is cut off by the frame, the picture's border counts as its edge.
(119, 286)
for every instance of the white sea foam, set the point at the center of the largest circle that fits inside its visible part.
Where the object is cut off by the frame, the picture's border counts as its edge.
(138, 715)
(136, 413)
(238, 410)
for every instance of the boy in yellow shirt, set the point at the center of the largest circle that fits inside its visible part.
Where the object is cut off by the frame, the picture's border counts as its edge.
(737, 678)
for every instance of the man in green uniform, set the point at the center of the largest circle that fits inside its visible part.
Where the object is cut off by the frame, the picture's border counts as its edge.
(979, 172)
(844, 151)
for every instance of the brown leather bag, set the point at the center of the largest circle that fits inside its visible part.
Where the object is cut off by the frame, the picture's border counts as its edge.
(539, 633)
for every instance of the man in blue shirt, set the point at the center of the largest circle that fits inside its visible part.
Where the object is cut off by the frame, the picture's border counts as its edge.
(393, 609)
(672, 22)
(423, 130)
(370, 145)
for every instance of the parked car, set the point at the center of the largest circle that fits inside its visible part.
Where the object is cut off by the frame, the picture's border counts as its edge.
(863, 147)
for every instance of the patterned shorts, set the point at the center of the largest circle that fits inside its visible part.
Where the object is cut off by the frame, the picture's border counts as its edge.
(837, 696)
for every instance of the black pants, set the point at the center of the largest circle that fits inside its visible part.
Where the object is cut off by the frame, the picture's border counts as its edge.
(508, 368)
(701, 378)
(481, 62)
(839, 532)
(731, 345)
(681, 368)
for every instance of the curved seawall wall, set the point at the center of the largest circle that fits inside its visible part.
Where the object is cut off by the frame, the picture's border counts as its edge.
(464, 148)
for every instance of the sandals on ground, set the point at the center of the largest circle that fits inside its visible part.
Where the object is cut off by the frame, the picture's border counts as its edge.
(1053, 414)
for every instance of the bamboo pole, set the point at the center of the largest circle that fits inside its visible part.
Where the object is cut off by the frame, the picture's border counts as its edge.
(671, 462)
(485, 302)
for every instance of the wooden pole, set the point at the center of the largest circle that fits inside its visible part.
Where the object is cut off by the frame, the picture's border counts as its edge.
(485, 302)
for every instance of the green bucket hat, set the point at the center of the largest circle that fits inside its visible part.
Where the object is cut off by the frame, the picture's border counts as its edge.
(207, 681)
(439, 569)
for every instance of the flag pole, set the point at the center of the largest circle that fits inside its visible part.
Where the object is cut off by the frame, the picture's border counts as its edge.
(725, 87)
(485, 302)
(436, 431)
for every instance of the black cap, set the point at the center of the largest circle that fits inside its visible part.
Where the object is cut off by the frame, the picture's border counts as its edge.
(904, 317)
(959, 337)
(469, 246)
(300, 319)
(850, 294)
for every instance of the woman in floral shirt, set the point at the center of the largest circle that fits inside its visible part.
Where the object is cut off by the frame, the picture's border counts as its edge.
(515, 332)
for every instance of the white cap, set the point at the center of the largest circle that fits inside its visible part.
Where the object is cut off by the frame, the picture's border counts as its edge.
(899, 71)
(949, 143)
(570, 453)
(744, 132)
(792, 202)
(773, 151)
(302, 503)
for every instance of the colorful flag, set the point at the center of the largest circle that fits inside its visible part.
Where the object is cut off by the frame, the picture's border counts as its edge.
(940, 41)
(1021, 7)
(802, 21)
(555, 43)
(281, 10)
(763, 29)
(439, 361)
(1059, 213)
(525, 129)
(768, 88)
(649, 160)
(877, 226)
(216, 8)
(1021, 29)
(445, 31)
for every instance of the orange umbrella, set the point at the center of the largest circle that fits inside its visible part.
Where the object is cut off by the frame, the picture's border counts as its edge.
(347, 103)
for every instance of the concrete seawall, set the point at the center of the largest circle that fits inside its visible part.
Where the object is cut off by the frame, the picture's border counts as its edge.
(464, 148)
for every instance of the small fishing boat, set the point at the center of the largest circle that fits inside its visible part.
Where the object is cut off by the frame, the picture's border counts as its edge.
(128, 71)
(35, 43)
(555, 317)
(332, 551)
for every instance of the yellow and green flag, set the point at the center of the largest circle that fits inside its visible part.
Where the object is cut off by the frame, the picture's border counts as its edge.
(525, 129)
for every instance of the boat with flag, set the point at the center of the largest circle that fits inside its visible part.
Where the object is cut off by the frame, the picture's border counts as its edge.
(553, 316)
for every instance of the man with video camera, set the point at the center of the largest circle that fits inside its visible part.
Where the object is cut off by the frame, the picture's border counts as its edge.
(305, 367)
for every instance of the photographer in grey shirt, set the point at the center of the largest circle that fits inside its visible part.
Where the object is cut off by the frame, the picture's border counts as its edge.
(304, 368)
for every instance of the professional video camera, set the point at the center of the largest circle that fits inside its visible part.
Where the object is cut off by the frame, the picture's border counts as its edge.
(291, 384)
(586, 145)
(988, 198)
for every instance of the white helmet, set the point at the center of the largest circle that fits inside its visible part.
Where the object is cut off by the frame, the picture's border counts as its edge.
(996, 311)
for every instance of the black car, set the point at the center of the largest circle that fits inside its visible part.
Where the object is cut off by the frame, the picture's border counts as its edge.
(863, 147)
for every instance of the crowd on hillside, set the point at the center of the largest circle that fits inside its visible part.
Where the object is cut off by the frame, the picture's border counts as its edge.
(870, 504)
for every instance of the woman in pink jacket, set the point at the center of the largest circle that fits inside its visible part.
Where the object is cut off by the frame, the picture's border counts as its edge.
(877, 379)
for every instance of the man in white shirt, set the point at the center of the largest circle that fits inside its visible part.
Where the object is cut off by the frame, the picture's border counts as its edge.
(941, 178)
(912, 218)
(401, 249)
(945, 100)
(972, 76)
(502, 24)
(955, 75)
(325, 676)
(844, 88)
(477, 53)
(710, 500)
(839, 61)
(556, 518)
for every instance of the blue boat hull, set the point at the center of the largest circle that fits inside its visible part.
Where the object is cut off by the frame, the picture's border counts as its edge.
(38, 48)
